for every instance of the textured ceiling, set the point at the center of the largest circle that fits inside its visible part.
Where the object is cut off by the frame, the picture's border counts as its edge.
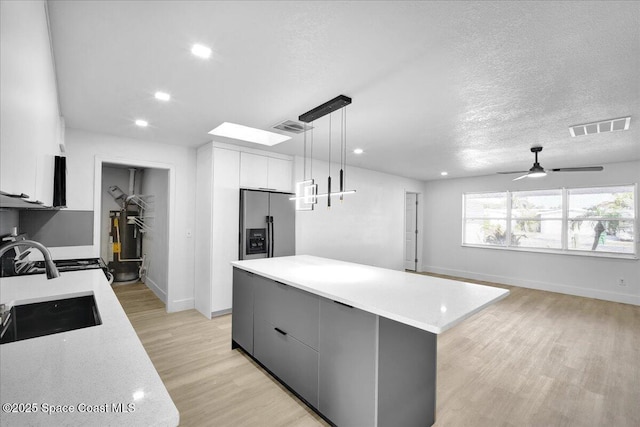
(465, 87)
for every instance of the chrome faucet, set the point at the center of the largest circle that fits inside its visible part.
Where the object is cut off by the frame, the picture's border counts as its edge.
(49, 266)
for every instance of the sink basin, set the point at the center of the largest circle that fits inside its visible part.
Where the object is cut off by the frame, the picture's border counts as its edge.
(50, 317)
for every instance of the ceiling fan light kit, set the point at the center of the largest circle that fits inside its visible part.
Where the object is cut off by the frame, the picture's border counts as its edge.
(538, 171)
(536, 174)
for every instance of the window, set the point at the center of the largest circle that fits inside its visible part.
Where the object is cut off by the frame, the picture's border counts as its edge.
(575, 220)
(486, 219)
(536, 219)
(601, 219)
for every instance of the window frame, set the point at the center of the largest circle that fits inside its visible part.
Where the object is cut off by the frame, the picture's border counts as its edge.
(565, 218)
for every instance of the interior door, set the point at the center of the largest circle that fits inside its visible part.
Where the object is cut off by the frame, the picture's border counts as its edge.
(254, 211)
(411, 231)
(283, 233)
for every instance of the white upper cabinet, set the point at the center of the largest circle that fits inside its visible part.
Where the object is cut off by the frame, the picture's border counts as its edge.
(254, 171)
(31, 127)
(266, 173)
(280, 174)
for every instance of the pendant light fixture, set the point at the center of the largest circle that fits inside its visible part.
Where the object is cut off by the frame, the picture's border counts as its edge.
(329, 179)
(306, 190)
(343, 153)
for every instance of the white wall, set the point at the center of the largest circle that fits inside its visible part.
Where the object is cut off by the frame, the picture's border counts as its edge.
(155, 245)
(589, 276)
(367, 228)
(83, 150)
(8, 219)
(29, 118)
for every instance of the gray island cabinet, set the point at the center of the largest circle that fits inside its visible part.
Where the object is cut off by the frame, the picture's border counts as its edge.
(336, 334)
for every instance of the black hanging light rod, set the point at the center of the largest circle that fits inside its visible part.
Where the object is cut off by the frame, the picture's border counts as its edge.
(328, 107)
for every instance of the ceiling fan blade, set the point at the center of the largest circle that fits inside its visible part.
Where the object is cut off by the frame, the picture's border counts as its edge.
(520, 177)
(506, 173)
(582, 169)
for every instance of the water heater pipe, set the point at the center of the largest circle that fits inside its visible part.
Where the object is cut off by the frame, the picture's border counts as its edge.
(132, 181)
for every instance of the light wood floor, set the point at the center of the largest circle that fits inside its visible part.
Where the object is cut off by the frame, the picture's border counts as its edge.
(533, 359)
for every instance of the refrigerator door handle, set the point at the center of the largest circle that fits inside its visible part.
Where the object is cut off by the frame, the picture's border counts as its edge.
(268, 242)
(269, 238)
(273, 239)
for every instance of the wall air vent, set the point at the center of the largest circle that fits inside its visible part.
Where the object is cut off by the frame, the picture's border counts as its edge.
(291, 126)
(611, 125)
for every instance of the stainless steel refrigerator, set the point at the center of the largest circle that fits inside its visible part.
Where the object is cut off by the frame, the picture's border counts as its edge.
(267, 224)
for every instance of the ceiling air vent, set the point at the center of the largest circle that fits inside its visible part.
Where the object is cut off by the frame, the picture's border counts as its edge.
(293, 127)
(612, 125)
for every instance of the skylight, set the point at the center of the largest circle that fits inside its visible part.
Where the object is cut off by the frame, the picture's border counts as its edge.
(249, 134)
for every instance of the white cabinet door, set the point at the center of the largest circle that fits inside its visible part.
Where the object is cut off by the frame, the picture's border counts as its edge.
(29, 113)
(265, 173)
(225, 228)
(216, 237)
(279, 177)
(254, 171)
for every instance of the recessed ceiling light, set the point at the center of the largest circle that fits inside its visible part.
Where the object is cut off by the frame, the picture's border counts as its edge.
(443, 173)
(201, 51)
(142, 123)
(358, 151)
(246, 133)
(162, 96)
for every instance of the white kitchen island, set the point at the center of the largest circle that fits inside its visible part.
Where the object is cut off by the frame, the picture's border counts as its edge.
(99, 375)
(357, 343)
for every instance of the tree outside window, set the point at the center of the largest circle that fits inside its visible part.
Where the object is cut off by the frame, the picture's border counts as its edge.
(602, 219)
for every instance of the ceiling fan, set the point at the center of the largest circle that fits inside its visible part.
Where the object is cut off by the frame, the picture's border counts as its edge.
(538, 171)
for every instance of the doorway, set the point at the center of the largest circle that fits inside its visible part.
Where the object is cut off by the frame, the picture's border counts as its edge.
(139, 183)
(411, 231)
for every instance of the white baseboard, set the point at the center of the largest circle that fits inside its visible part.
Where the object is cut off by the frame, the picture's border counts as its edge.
(220, 312)
(542, 286)
(162, 295)
(180, 305)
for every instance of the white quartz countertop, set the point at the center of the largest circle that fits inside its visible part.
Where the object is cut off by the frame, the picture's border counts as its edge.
(429, 303)
(92, 371)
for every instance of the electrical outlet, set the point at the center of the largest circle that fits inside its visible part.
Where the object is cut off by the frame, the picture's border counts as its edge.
(621, 282)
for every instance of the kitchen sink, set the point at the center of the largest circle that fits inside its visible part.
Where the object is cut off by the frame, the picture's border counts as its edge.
(50, 317)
